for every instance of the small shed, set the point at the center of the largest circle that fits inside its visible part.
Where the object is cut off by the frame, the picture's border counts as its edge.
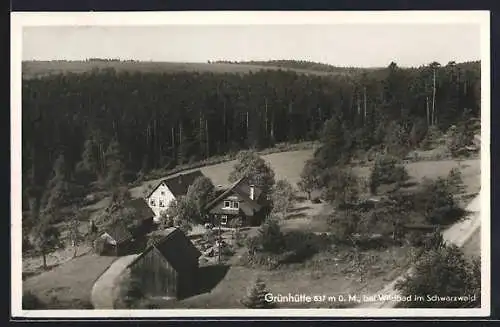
(169, 267)
(116, 240)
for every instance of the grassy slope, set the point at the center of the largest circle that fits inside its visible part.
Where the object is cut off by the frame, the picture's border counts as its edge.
(70, 283)
(40, 68)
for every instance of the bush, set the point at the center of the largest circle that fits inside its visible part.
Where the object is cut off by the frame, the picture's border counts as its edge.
(387, 170)
(32, 302)
(300, 246)
(455, 181)
(255, 298)
(294, 247)
(432, 138)
(435, 200)
(343, 224)
(270, 238)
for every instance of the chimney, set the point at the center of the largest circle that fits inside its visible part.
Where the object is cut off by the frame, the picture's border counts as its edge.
(252, 192)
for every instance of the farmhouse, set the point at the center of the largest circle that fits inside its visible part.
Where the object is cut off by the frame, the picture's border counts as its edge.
(169, 189)
(241, 200)
(169, 267)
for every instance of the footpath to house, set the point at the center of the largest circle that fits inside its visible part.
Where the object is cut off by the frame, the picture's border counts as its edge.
(102, 291)
(457, 234)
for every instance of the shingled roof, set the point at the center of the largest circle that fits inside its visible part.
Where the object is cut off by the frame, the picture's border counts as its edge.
(176, 248)
(180, 183)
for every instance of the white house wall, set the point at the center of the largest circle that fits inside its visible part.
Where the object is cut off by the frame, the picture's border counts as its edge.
(161, 193)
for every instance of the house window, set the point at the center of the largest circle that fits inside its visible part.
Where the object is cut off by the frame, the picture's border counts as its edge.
(152, 202)
(223, 220)
(227, 204)
(161, 203)
(162, 192)
(235, 205)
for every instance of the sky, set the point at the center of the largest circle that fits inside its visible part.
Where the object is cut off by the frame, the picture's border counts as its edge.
(339, 45)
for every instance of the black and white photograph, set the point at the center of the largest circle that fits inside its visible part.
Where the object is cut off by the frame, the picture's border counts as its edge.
(250, 164)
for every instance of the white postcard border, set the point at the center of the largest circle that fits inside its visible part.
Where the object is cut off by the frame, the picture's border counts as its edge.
(24, 19)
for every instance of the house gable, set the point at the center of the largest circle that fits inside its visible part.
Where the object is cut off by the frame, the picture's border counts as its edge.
(235, 200)
(169, 189)
(160, 199)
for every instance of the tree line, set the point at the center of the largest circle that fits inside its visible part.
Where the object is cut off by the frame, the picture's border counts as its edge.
(113, 126)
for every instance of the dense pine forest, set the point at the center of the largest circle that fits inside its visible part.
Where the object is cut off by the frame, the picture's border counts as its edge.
(114, 126)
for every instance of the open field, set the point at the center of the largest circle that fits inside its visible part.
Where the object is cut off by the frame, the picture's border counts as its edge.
(32, 69)
(69, 285)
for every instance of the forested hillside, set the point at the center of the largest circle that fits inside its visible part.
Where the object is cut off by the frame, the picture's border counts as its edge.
(113, 126)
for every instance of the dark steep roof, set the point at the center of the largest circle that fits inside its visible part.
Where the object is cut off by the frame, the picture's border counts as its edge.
(180, 183)
(242, 189)
(176, 248)
(142, 209)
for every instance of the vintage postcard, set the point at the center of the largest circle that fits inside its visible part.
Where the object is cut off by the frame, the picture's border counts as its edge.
(250, 164)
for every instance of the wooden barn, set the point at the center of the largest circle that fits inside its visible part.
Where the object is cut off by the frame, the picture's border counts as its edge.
(169, 267)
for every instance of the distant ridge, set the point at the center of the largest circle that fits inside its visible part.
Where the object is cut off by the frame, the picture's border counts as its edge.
(34, 68)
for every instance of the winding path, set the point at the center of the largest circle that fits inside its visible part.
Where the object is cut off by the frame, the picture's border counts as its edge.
(458, 234)
(102, 291)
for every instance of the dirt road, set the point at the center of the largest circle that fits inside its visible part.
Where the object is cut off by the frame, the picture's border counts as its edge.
(102, 291)
(457, 234)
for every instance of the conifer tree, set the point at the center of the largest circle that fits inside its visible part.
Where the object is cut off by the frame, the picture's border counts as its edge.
(256, 296)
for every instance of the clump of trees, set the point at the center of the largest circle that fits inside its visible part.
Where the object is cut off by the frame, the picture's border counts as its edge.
(443, 271)
(182, 213)
(310, 177)
(341, 187)
(387, 170)
(256, 170)
(282, 198)
(201, 192)
(436, 201)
